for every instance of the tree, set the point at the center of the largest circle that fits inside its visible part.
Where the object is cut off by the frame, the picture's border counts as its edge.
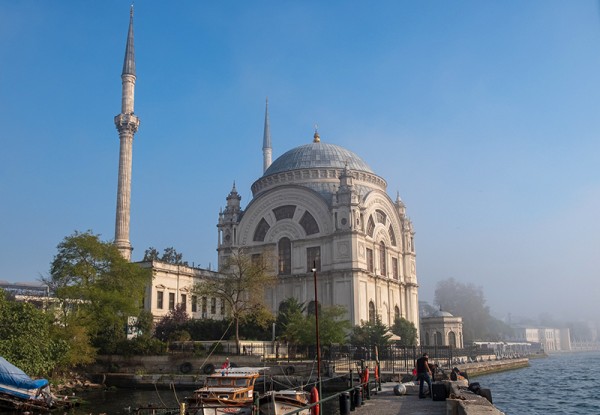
(406, 330)
(97, 287)
(170, 326)
(26, 339)
(151, 254)
(170, 256)
(468, 302)
(369, 334)
(240, 284)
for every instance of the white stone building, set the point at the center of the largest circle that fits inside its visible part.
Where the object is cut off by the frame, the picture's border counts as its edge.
(442, 329)
(321, 206)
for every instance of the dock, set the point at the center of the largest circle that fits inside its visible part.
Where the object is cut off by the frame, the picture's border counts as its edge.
(460, 402)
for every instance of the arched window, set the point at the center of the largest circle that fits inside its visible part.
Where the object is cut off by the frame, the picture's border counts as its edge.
(309, 224)
(381, 216)
(452, 339)
(396, 313)
(370, 226)
(284, 212)
(285, 256)
(438, 339)
(392, 235)
(426, 339)
(371, 312)
(382, 259)
(261, 230)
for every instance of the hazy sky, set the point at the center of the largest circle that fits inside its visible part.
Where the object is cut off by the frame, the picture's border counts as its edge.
(482, 114)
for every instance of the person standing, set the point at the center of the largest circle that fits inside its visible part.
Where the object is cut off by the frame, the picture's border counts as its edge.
(225, 367)
(423, 374)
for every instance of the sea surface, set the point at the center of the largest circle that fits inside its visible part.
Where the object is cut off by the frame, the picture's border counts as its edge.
(565, 383)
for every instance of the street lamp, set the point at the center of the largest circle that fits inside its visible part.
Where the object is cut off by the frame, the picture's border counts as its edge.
(314, 270)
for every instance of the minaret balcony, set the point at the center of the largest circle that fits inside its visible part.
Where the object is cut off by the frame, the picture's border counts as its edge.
(127, 122)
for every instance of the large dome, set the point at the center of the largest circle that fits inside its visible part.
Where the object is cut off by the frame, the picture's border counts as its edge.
(317, 155)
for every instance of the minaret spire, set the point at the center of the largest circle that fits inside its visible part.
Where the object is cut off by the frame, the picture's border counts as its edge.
(127, 124)
(267, 150)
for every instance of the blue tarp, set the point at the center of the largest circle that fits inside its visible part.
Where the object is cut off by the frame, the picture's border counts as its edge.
(13, 377)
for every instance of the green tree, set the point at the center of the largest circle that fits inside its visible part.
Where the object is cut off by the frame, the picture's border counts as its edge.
(406, 330)
(369, 334)
(27, 341)
(97, 287)
(301, 328)
(241, 285)
(288, 308)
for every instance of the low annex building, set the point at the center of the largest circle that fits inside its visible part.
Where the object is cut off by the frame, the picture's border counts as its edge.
(442, 329)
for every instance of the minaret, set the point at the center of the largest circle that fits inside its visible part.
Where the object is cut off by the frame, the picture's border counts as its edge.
(127, 124)
(267, 150)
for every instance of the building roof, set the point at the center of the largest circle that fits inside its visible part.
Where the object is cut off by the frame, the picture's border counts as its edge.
(317, 155)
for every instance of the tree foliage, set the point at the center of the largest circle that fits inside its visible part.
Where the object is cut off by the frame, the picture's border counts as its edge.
(467, 301)
(241, 285)
(26, 338)
(406, 330)
(299, 328)
(369, 334)
(170, 326)
(97, 287)
(170, 256)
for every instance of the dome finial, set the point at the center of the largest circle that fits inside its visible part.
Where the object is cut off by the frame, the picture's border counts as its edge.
(316, 138)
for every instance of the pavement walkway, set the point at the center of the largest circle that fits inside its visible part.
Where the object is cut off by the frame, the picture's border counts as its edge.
(387, 403)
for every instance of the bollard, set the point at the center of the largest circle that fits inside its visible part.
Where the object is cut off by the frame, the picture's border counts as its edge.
(357, 397)
(352, 406)
(344, 403)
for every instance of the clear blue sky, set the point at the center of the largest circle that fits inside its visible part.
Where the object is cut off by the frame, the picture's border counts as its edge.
(482, 114)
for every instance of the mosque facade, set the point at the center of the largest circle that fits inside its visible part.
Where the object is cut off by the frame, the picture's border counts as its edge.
(320, 209)
(319, 212)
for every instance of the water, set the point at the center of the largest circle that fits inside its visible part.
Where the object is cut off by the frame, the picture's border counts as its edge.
(559, 384)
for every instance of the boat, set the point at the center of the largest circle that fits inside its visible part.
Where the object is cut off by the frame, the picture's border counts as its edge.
(230, 391)
(20, 393)
(284, 401)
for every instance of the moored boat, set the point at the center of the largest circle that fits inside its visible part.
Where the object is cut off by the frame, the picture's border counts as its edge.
(21, 393)
(228, 392)
(284, 401)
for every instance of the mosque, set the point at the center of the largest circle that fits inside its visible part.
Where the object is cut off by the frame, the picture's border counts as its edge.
(318, 209)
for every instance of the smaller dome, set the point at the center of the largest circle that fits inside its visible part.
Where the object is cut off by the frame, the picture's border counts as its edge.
(441, 313)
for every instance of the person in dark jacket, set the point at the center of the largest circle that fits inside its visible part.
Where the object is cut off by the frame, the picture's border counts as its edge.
(423, 374)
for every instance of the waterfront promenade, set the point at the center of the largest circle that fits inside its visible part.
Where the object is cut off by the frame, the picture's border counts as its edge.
(385, 402)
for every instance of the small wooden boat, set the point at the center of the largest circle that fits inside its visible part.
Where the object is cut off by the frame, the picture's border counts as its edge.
(228, 392)
(284, 401)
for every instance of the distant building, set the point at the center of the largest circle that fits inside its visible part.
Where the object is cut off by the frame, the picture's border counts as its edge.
(36, 293)
(442, 329)
(547, 339)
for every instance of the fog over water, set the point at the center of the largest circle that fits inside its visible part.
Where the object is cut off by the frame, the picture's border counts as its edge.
(482, 115)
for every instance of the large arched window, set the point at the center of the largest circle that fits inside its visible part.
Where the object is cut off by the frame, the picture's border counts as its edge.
(396, 313)
(426, 339)
(308, 222)
(438, 339)
(392, 235)
(452, 339)
(261, 230)
(371, 312)
(382, 259)
(285, 256)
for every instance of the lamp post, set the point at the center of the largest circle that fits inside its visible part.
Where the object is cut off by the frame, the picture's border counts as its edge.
(314, 270)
